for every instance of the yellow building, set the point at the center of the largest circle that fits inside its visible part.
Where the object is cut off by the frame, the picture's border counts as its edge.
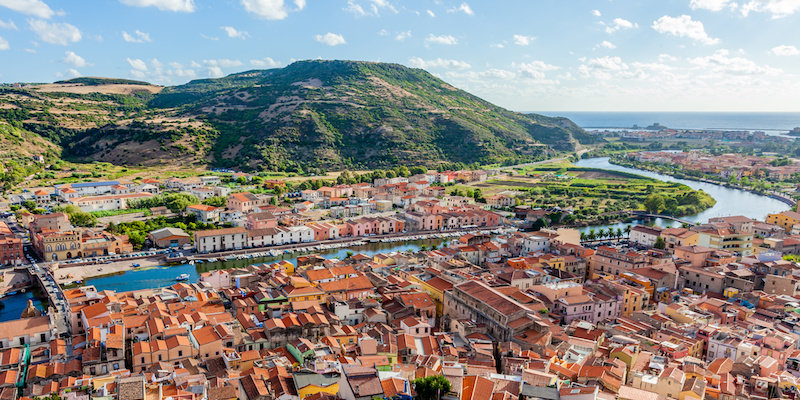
(434, 286)
(308, 383)
(786, 220)
(55, 246)
(306, 293)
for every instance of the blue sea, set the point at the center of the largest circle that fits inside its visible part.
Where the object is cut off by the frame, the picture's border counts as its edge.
(764, 121)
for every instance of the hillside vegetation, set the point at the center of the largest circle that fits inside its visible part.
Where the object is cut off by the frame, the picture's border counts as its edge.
(310, 114)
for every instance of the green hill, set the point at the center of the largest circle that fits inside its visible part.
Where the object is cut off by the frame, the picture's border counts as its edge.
(328, 114)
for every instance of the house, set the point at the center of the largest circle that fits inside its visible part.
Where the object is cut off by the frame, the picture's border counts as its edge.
(169, 237)
(204, 213)
(359, 383)
(108, 202)
(213, 240)
(245, 202)
(645, 235)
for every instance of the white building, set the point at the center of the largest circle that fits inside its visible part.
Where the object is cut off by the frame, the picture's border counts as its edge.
(645, 235)
(107, 203)
(220, 239)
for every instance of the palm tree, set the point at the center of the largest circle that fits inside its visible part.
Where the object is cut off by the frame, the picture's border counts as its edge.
(601, 233)
(592, 235)
(619, 233)
(628, 231)
(583, 236)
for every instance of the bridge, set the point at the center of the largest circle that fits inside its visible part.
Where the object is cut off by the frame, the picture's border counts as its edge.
(644, 214)
(58, 311)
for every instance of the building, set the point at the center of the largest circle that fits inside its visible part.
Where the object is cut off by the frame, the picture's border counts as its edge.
(220, 239)
(10, 246)
(503, 316)
(57, 246)
(787, 220)
(676, 237)
(645, 235)
(245, 202)
(204, 213)
(108, 203)
(169, 237)
(33, 332)
(724, 236)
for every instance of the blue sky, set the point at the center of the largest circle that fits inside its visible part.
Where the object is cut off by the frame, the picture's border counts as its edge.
(575, 55)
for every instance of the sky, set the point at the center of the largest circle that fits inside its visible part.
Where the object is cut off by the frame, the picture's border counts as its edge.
(525, 55)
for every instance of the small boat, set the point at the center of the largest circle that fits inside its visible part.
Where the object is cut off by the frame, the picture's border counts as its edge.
(182, 277)
(191, 262)
(134, 265)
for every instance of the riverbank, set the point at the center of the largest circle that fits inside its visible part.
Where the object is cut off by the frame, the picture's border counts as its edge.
(679, 175)
(69, 274)
(730, 201)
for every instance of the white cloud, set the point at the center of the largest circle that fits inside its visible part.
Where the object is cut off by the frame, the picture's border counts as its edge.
(36, 8)
(722, 63)
(619, 24)
(234, 33)
(785, 50)
(137, 37)
(418, 62)
(55, 33)
(73, 73)
(4, 44)
(271, 9)
(522, 40)
(403, 35)
(448, 40)
(606, 44)
(497, 45)
(597, 13)
(70, 58)
(214, 67)
(163, 5)
(463, 7)
(778, 8)
(8, 25)
(667, 58)
(535, 70)
(31, 51)
(431, 13)
(371, 8)
(137, 64)
(265, 62)
(712, 5)
(331, 39)
(683, 26)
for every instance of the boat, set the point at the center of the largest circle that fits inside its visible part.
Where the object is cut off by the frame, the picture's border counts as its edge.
(134, 265)
(182, 277)
(191, 262)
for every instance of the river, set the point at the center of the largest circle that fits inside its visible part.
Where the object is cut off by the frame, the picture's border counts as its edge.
(729, 201)
(161, 276)
(14, 305)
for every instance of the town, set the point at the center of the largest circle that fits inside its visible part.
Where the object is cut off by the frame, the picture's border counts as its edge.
(497, 311)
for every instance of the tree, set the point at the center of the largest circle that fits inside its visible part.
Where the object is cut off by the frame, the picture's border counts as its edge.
(601, 233)
(273, 200)
(431, 387)
(592, 235)
(583, 236)
(654, 203)
(618, 233)
(29, 204)
(628, 230)
(216, 201)
(660, 243)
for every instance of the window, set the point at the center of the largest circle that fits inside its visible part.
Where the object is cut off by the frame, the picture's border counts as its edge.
(180, 353)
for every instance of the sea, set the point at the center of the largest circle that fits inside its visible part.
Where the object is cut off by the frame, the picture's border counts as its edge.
(753, 121)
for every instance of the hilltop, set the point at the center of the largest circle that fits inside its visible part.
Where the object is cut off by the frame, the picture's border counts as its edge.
(310, 114)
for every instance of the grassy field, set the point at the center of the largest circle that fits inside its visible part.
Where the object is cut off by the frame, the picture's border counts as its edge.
(588, 191)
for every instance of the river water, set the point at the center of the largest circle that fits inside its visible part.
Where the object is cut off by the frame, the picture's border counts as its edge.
(729, 201)
(14, 305)
(161, 276)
